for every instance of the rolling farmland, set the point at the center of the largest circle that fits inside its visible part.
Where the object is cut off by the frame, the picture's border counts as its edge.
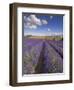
(42, 56)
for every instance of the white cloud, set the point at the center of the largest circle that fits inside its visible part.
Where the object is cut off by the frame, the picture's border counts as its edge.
(28, 25)
(49, 29)
(55, 34)
(33, 27)
(35, 20)
(28, 19)
(32, 22)
(51, 17)
(44, 22)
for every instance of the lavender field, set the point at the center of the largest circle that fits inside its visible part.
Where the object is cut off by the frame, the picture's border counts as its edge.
(42, 56)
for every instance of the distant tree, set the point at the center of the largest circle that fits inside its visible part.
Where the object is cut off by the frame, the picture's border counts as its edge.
(28, 35)
(61, 38)
(53, 38)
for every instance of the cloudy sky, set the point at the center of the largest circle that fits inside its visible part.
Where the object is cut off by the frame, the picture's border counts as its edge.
(42, 25)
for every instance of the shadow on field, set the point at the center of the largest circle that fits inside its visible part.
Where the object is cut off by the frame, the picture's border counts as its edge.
(40, 68)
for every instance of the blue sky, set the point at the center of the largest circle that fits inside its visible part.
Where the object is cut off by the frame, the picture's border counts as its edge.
(43, 25)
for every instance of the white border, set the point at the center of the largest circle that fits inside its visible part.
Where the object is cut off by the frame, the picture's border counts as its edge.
(47, 77)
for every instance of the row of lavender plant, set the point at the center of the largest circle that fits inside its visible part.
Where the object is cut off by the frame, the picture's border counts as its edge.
(57, 47)
(53, 61)
(31, 57)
